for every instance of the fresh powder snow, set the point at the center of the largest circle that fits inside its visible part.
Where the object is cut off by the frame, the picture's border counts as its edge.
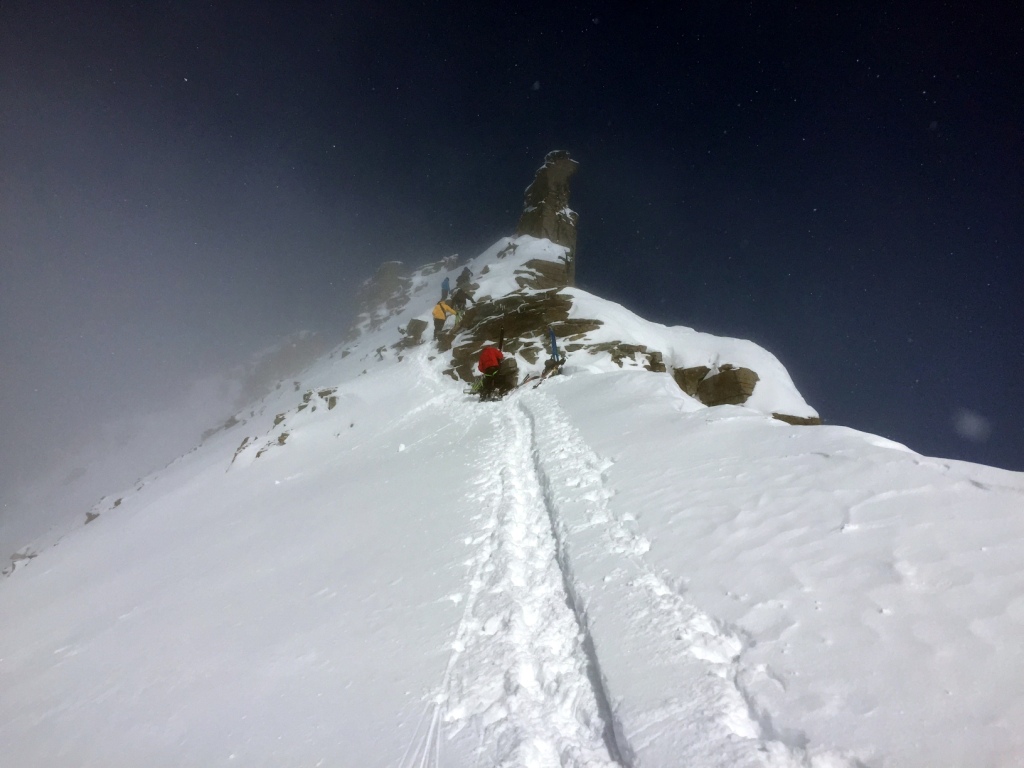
(373, 568)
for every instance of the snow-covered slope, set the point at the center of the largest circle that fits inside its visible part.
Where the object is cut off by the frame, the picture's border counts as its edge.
(38, 510)
(373, 568)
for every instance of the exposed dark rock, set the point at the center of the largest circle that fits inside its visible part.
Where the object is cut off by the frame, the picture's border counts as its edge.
(546, 212)
(240, 448)
(575, 328)
(525, 320)
(504, 381)
(444, 340)
(413, 334)
(689, 379)
(530, 352)
(542, 275)
(655, 362)
(90, 516)
(620, 351)
(730, 386)
(798, 421)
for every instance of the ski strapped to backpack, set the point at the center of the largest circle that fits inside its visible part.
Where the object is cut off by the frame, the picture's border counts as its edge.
(553, 365)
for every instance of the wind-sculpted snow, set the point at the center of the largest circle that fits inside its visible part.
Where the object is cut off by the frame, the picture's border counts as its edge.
(684, 705)
(875, 592)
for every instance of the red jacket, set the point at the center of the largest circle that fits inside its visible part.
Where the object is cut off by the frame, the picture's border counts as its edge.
(489, 358)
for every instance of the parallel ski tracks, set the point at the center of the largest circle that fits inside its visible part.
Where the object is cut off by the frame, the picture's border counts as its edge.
(520, 688)
(524, 685)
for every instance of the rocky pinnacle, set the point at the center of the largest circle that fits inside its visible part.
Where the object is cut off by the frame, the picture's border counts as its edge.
(546, 211)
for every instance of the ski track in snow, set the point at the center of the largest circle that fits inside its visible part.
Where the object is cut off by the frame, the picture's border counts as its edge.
(577, 494)
(523, 685)
(517, 690)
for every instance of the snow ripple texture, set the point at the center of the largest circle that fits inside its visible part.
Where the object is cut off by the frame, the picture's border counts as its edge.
(517, 690)
(700, 712)
(558, 581)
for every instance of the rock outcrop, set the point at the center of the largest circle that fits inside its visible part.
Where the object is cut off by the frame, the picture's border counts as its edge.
(729, 386)
(413, 334)
(799, 421)
(546, 212)
(523, 319)
(522, 288)
(620, 351)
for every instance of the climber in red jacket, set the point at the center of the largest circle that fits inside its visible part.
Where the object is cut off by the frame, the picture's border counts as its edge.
(488, 365)
(490, 359)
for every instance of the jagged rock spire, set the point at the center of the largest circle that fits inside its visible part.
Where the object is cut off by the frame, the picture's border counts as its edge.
(546, 211)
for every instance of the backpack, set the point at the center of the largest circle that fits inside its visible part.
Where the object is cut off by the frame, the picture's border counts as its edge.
(507, 376)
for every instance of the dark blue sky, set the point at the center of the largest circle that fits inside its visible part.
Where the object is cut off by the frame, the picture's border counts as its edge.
(184, 181)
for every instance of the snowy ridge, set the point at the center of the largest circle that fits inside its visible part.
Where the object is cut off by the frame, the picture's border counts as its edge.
(683, 347)
(370, 567)
(498, 272)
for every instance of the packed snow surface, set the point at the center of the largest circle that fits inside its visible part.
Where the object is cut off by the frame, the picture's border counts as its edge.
(599, 571)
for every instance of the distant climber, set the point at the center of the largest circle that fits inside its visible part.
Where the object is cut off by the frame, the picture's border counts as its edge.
(441, 312)
(464, 277)
(445, 287)
(459, 299)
